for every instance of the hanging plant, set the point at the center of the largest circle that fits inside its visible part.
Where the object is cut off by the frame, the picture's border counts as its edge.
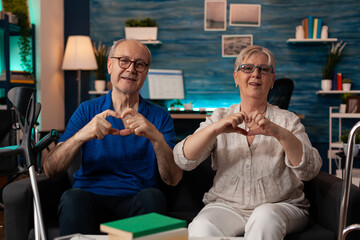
(20, 9)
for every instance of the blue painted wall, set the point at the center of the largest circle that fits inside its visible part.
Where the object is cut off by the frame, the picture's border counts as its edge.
(209, 77)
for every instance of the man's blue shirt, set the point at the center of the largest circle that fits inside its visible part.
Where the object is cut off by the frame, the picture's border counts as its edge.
(117, 165)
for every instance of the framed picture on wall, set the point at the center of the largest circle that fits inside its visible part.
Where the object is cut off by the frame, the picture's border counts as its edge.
(353, 104)
(215, 15)
(248, 15)
(233, 44)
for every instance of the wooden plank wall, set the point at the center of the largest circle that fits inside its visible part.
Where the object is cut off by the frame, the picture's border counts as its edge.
(209, 77)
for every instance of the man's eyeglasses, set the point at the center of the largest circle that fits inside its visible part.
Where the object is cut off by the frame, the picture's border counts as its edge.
(249, 68)
(125, 63)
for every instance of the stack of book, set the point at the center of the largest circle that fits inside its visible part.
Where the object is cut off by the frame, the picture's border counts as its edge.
(151, 226)
(3, 75)
(312, 27)
(21, 77)
(12, 17)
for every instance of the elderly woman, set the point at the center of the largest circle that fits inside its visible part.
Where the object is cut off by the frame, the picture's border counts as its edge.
(261, 154)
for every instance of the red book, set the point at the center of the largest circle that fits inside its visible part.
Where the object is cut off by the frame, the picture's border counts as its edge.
(305, 24)
(339, 80)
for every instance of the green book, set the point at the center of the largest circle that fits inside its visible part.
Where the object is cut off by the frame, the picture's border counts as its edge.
(138, 226)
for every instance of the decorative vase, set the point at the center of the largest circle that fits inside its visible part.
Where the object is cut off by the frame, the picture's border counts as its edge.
(299, 34)
(326, 84)
(324, 32)
(188, 106)
(141, 33)
(355, 149)
(346, 86)
(342, 108)
(100, 85)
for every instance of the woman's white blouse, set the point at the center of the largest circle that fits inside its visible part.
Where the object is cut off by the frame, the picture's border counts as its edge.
(247, 177)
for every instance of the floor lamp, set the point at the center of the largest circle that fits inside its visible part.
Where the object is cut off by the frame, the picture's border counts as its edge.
(79, 55)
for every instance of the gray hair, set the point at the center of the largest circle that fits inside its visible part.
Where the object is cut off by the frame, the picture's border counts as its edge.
(253, 50)
(116, 43)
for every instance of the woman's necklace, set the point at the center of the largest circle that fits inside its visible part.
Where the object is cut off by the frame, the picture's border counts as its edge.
(247, 128)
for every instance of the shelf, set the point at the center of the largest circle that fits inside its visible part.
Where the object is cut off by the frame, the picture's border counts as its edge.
(155, 42)
(336, 92)
(336, 144)
(345, 115)
(329, 40)
(12, 27)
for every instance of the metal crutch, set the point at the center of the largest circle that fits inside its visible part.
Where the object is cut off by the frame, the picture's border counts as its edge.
(343, 231)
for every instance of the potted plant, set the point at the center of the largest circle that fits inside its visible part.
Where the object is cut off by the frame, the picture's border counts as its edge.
(344, 138)
(344, 98)
(176, 105)
(141, 29)
(101, 56)
(332, 60)
(346, 84)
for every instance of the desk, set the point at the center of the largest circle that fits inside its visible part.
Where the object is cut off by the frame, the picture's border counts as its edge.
(204, 115)
(189, 115)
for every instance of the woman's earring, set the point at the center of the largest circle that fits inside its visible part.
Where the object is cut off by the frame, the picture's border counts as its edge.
(236, 85)
(272, 86)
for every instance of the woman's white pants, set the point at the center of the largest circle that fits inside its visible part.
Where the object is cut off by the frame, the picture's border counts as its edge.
(270, 221)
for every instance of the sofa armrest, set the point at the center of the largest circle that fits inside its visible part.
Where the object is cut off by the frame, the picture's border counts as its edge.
(324, 193)
(18, 202)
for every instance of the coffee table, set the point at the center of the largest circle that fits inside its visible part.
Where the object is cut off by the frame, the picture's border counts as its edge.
(105, 237)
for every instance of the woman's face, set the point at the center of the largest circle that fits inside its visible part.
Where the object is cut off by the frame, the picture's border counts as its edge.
(255, 85)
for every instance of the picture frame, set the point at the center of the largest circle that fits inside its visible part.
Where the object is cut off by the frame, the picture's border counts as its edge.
(233, 44)
(353, 104)
(215, 15)
(246, 15)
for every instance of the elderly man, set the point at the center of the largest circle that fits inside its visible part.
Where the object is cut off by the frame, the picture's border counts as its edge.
(126, 143)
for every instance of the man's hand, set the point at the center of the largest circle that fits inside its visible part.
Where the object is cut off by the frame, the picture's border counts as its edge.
(98, 127)
(137, 124)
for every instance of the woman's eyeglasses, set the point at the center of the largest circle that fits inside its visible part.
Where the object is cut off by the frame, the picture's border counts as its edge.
(125, 63)
(250, 68)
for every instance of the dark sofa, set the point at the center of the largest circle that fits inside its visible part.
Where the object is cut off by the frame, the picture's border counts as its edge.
(184, 202)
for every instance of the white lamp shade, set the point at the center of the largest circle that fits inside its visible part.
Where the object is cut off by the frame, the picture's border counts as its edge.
(79, 54)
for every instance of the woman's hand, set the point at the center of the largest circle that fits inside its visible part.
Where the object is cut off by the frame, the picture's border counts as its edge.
(229, 124)
(265, 126)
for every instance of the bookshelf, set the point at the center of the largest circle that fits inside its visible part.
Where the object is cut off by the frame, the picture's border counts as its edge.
(336, 146)
(9, 30)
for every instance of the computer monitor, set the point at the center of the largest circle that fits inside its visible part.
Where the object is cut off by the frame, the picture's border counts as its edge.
(163, 84)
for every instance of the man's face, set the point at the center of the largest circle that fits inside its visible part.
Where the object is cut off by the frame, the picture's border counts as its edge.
(128, 80)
